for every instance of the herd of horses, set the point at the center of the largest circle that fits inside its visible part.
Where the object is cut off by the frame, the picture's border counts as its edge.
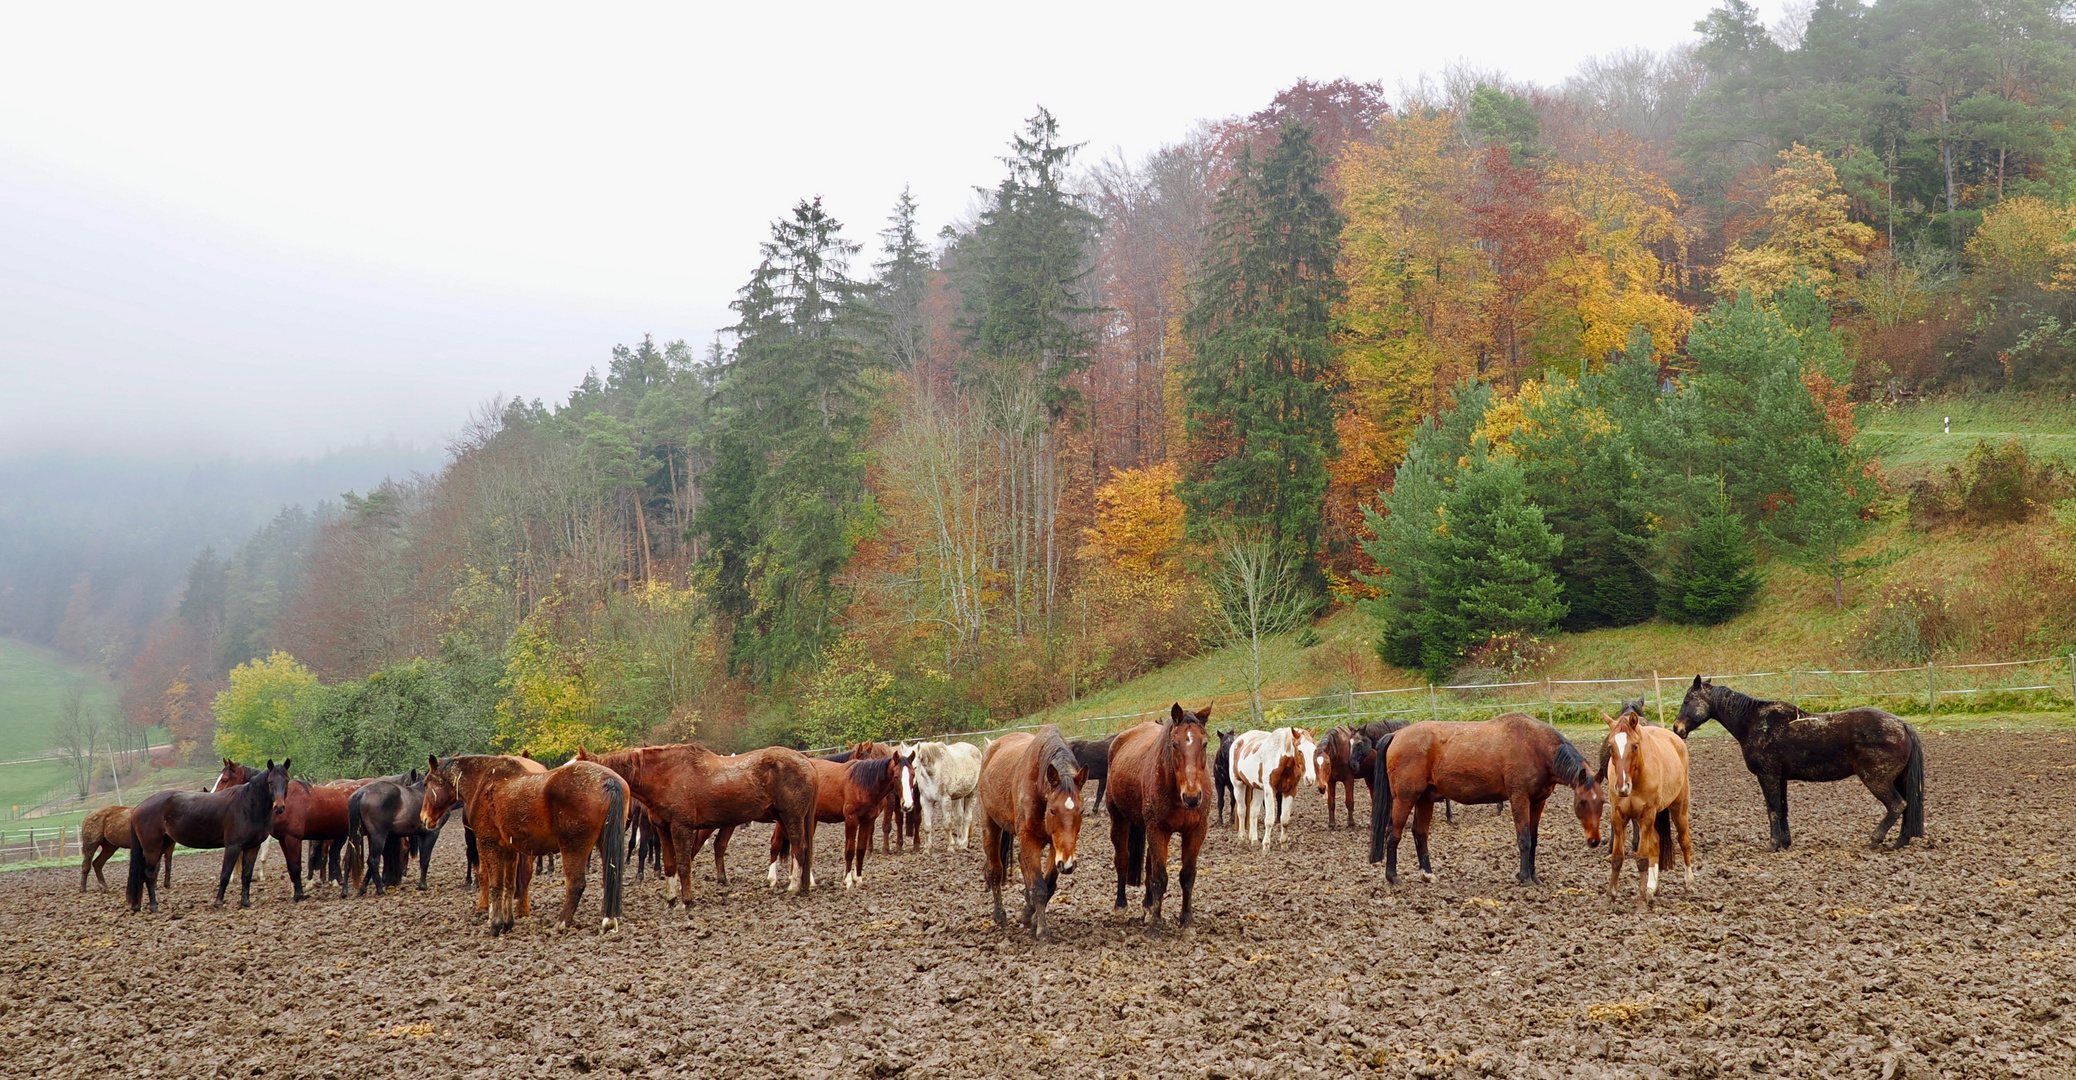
(1160, 783)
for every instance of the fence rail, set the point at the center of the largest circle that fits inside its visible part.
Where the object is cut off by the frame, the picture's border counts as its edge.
(2047, 684)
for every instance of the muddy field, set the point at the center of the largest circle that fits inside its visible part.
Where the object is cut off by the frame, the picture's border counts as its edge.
(1956, 958)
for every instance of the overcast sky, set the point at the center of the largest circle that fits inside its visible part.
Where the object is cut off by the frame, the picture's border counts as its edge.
(276, 229)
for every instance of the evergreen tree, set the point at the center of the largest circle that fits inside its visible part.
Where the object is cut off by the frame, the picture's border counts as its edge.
(902, 286)
(786, 494)
(1260, 381)
(1490, 569)
(1584, 472)
(1713, 574)
(1404, 528)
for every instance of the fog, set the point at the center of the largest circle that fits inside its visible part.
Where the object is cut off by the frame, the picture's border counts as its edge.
(270, 231)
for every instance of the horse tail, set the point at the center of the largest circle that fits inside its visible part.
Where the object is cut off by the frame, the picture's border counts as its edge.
(1135, 851)
(1911, 785)
(138, 873)
(613, 839)
(1380, 798)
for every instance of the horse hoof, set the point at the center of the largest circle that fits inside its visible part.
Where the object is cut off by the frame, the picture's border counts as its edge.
(1425, 876)
(607, 926)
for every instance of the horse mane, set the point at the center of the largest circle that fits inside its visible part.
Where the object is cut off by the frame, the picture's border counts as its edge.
(1735, 703)
(1570, 765)
(1056, 753)
(870, 773)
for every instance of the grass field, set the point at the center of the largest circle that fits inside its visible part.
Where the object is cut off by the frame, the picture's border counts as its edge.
(1913, 444)
(33, 683)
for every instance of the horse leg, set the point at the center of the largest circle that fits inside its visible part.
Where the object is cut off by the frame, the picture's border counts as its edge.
(490, 874)
(1776, 789)
(425, 850)
(1157, 838)
(1647, 863)
(992, 842)
(1348, 810)
(1423, 820)
(1526, 814)
(721, 839)
(1617, 843)
(223, 883)
(1401, 811)
(100, 857)
(576, 865)
(249, 862)
(1330, 826)
(1885, 792)
(522, 888)
(1679, 821)
(1192, 844)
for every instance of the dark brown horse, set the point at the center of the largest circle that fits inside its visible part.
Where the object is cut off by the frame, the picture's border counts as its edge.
(868, 785)
(1334, 758)
(1222, 774)
(1158, 780)
(381, 819)
(1094, 756)
(1783, 743)
(103, 833)
(237, 819)
(1030, 799)
(316, 813)
(520, 815)
(1512, 756)
(689, 788)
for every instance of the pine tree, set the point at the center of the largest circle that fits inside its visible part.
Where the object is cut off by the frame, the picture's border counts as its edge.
(1713, 574)
(1261, 380)
(1404, 528)
(1490, 569)
(901, 287)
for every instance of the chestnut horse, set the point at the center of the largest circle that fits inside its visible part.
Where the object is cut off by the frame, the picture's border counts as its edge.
(1030, 799)
(691, 792)
(1512, 756)
(1783, 743)
(832, 786)
(1646, 779)
(237, 819)
(868, 785)
(316, 813)
(520, 815)
(1158, 777)
(103, 833)
(1333, 761)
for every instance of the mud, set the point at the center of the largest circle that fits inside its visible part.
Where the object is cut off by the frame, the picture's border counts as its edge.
(1954, 958)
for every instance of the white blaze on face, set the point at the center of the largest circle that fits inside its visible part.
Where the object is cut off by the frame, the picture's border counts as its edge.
(1070, 802)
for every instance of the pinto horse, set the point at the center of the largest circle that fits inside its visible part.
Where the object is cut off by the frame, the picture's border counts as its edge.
(520, 815)
(316, 813)
(1512, 756)
(1783, 743)
(1333, 761)
(1030, 800)
(383, 817)
(1267, 767)
(237, 819)
(869, 784)
(692, 792)
(1156, 792)
(1646, 781)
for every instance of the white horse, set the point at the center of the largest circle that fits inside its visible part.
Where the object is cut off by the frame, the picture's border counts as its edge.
(947, 778)
(1267, 768)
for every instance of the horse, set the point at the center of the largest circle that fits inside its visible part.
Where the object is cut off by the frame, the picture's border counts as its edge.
(947, 780)
(383, 817)
(517, 814)
(1222, 775)
(1094, 756)
(692, 792)
(1333, 761)
(869, 784)
(1267, 766)
(316, 813)
(1646, 780)
(101, 834)
(1512, 756)
(1362, 757)
(1160, 775)
(1783, 743)
(642, 844)
(1030, 799)
(237, 819)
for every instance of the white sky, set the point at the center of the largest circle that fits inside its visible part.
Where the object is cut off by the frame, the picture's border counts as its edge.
(274, 229)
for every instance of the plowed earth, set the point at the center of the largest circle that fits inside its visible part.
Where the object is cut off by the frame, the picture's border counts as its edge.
(1952, 958)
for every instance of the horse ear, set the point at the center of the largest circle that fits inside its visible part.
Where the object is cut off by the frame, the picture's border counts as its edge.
(1204, 714)
(1052, 775)
(285, 763)
(432, 764)
(1178, 714)
(1081, 776)
(1610, 720)
(1697, 683)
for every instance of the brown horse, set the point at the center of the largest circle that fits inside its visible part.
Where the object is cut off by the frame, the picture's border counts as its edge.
(1646, 779)
(520, 815)
(1334, 758)
(315, 812)
(103, 833)
(868, 785)
(689, 789)
(1030, 797)
(237, 819)
(1158, 780)
(1512, 756)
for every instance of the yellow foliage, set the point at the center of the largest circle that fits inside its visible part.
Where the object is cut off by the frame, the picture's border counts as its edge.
(1138, 520)
(257, 716)
(2026, 241)
(1807, 234)
(1615, 281)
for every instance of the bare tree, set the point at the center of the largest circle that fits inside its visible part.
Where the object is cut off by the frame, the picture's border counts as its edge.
(77, 735)
(1260, 594)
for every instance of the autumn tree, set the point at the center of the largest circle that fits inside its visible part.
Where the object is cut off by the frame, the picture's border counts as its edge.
(1261, 379)
(1806, 234)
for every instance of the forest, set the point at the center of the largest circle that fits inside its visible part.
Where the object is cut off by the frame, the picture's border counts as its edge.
(1489, 361)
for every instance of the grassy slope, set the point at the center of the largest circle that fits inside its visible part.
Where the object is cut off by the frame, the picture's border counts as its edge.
(1793, 625)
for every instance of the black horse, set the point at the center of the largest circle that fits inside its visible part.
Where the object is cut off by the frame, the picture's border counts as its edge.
(1783, 743)
(643, 842)
(383, 832)
(1222, 772)
(237, 819)
(1094, 755)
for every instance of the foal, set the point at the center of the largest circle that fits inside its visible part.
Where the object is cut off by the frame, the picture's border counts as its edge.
(1646, 775)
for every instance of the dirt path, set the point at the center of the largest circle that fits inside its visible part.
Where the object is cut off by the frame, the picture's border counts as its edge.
(1953, 959)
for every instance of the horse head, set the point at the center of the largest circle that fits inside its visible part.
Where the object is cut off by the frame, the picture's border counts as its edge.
(1362, 752)
(232, 775)
(1063, 777)
(1625, 746)
(274, 782)
(904, 763)
(1306, 746)
(1183, 740)
(1331, 757)
(440, 793)
(1697, 708)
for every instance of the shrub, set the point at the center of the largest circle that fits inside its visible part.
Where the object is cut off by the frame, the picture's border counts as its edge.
(1993, 485)
(1910, 623)
(1511, 653)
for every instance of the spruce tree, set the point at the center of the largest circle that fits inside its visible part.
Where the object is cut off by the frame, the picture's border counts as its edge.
(1713, 569)
(902, 286)
(1490, 569)
(1260, 382)
(1404, 526)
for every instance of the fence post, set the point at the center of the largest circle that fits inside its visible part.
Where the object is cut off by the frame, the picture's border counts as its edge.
(1792, 695)
(2072, 680)
(1550, 694)
(1351, 704)
(1931, 691)
(1658, 688)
